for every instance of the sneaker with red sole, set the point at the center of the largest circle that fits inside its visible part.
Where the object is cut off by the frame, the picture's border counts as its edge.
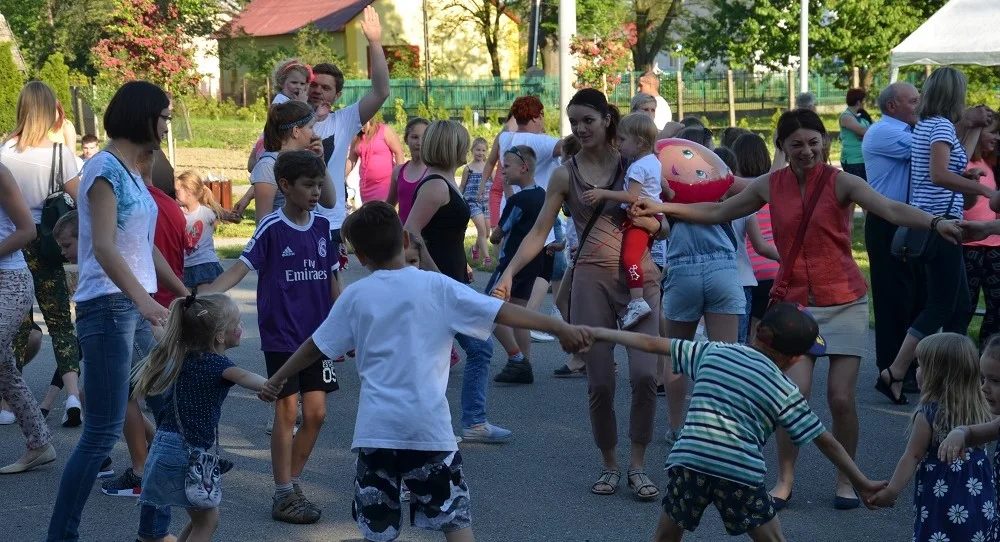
(126, 485)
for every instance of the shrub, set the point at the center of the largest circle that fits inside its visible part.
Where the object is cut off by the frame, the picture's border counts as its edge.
(55, 73)
(401, 115)
(11, 82)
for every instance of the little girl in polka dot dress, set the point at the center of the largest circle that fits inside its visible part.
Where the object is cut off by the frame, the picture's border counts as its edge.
(954, 499)
(190, 372)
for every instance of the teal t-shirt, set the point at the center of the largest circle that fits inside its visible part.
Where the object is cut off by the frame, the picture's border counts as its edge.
(739, 399)
(851, 151)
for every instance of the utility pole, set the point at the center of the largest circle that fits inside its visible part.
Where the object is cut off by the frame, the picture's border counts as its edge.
(567, 29)
(804, 46)
(427, 48)
(536, 15)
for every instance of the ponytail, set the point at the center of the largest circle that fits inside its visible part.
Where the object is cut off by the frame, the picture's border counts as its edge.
(190, 181)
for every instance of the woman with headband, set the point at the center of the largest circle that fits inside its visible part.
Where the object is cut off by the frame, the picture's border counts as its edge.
(599, 291)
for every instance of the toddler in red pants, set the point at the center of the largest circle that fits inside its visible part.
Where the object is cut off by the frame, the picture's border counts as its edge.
(636, 141)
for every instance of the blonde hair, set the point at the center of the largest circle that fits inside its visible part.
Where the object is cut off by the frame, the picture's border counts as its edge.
(191, 328)
(282, 119)
(641, 127)
(950, 366)
(445, 145)
(526, 154)
(285, 68)
(943, 95)
(37, 114)
(190, 181)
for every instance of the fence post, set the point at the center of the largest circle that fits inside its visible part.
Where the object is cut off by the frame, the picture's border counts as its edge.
(244, 90)
(731, 92)
(680, 93)
(855, 78)
(631, 82)
(791, 90)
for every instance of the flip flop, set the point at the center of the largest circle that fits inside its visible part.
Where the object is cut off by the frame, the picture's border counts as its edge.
(886, 389)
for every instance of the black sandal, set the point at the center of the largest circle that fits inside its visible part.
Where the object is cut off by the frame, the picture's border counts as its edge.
(644, 484)
(886, 389)
(605, 480)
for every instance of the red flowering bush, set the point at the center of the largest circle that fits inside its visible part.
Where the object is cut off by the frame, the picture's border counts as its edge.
(602, 60)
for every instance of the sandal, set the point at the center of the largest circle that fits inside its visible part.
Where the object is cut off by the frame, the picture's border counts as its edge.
(605, 481)
(886, 389)
(644, 485)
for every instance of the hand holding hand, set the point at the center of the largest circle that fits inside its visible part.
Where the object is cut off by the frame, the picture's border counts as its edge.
(501, 290)
(575, 339)
(371, 26)
(592, 196)
(643, 207)
(555, 247)
(953, 446)
(974, 173)
(978, 116)
(269, 393)
(977, 231)
(950, 230)
(153, 311)
(878, 497)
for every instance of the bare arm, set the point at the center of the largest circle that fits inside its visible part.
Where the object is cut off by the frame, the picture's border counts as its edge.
(244, 378)
(848, 122)
(252, 159)
(166, 276)
(965, 436)
(352, 156)
(639, 341)
(760, 245)
(72, 187)
(945, 178)
(491, 162)
(393, 197)
(370, 103)
(231, 277)
(306, 355)
(571, 338)
(916, 449)
(395, 145)
(854, 189)
(430, 197)
(630, 196)
(496, 235)
(740, 205)
(264, 196)
(465, 180)
(13, 205)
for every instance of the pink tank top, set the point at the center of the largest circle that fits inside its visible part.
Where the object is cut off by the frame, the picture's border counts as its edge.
(376, 166)
(406, 191)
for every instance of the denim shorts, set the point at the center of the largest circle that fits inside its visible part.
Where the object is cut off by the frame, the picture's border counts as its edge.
(165, 471)
(699, 285)
(558, 266)
(201, 274)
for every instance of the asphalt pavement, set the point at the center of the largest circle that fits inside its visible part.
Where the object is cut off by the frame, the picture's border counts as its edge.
(534, 487)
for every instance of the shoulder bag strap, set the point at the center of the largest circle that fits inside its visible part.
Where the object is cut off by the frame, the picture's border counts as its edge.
(590, 223)
(787, 265)
(52, 166)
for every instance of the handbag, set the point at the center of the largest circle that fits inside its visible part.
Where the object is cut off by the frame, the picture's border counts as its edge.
(915, 246)
(562, 299)
(203, 478)
(56, 204)
(780, 290)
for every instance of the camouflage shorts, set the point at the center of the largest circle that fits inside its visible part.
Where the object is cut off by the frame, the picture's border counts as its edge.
(689, 492)
(439, 498)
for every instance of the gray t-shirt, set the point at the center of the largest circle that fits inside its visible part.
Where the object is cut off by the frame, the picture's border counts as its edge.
(263, 172)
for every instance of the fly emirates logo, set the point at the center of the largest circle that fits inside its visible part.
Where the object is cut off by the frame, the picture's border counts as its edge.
(308, 272)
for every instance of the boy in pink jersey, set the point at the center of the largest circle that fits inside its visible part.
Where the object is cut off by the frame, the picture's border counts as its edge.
(293, 254)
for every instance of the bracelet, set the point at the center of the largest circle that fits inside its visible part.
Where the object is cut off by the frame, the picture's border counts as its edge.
(935, 221)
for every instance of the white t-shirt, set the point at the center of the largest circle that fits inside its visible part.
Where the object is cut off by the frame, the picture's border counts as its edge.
(743, 268)
(339, 128)
(14, 260)
(646, 170)
(545, 163)
(663, 114)
(401, 324)
(134, 236)
(280, 98)
(32, 170)
(199, 236)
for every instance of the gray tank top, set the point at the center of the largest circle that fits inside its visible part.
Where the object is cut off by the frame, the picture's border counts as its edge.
(603, 247)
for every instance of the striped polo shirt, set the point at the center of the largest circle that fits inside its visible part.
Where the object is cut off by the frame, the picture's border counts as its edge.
(739, 399)
(763, 268)
(924, 194)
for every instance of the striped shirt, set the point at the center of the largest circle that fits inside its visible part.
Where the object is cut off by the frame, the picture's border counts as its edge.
(924, 194)
(739, 399)
(763, 268)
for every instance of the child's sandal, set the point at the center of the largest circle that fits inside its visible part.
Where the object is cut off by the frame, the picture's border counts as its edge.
(602, 484)
(644, 488)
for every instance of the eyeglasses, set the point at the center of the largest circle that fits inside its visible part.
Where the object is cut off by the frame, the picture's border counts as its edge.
(514, 150)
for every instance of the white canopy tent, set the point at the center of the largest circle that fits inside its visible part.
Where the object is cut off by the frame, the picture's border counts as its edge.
(961, 32)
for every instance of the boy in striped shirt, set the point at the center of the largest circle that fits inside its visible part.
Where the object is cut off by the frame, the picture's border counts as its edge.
(740, 397)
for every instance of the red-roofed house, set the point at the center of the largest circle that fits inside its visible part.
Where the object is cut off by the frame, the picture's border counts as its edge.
(455, 51)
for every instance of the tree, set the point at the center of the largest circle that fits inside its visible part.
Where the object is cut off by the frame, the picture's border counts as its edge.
(314, 46)
(55, 73)
(10, 87)
(600, 62)
(486, 15)
(145, 43)
(653, 21)
(594, 19)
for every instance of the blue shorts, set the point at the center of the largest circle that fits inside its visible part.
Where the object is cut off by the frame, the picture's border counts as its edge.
(706, 284)
(476, 207)
(689, 492)
(202, 273)
(558, 266)
(165, 472)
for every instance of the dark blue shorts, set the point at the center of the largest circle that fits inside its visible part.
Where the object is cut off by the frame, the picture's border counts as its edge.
(689, 493)
(203, 273)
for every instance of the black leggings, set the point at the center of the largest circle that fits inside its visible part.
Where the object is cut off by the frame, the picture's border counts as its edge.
(982, 266)
(948, 302)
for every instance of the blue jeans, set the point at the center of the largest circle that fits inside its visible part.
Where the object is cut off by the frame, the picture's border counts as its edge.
(745, 317)
(478, 355)
(106, 327)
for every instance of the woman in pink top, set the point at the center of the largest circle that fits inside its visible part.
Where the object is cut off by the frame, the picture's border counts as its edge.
(406, 177)
(982, 258)
(379, 149)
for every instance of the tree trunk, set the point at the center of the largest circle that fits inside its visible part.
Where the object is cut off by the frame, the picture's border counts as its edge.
(494, 58)
(550, 55)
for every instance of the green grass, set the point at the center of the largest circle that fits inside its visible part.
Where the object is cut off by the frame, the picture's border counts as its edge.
(242, 229)
(232, 134)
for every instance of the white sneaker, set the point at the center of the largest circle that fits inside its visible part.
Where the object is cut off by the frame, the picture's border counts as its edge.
(7, 417)
(539, 337)
(72, 414)
(637, 310)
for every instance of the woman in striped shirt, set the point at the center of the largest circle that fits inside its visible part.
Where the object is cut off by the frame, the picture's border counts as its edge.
(939, 185)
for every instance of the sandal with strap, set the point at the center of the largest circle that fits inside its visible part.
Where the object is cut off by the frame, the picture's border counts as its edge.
(886, 389)
(643, 486)
(605, 481)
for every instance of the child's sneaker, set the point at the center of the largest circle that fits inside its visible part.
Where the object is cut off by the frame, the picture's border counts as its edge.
(637, 310)
(294, 508)
(485, 433)
(297, 489)
(106, 470)
(515, 372)
(73, 413)
(126, 485)
(475, 253)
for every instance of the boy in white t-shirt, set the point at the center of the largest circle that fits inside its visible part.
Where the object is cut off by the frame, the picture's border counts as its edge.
(636, 139)
(401, 321)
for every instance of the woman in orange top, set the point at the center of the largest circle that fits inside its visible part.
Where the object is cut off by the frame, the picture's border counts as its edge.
(823, 276)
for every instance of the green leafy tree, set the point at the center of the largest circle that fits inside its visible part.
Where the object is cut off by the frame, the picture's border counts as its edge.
(486, 16)
(10, 86)
(654, 19)
(314, 46)
(55, 73)
(595, 19)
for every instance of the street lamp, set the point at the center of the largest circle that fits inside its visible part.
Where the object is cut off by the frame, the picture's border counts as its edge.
(567, 29)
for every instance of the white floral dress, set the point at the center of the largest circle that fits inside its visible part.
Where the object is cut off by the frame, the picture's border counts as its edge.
(953, 502)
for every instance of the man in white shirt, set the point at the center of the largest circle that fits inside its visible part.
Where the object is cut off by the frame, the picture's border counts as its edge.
(649, 83)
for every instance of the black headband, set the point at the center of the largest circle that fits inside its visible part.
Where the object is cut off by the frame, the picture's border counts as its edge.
(592, 98)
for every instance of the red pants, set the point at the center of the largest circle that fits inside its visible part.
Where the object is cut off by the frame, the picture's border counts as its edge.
(635, 243)
(496, 194)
